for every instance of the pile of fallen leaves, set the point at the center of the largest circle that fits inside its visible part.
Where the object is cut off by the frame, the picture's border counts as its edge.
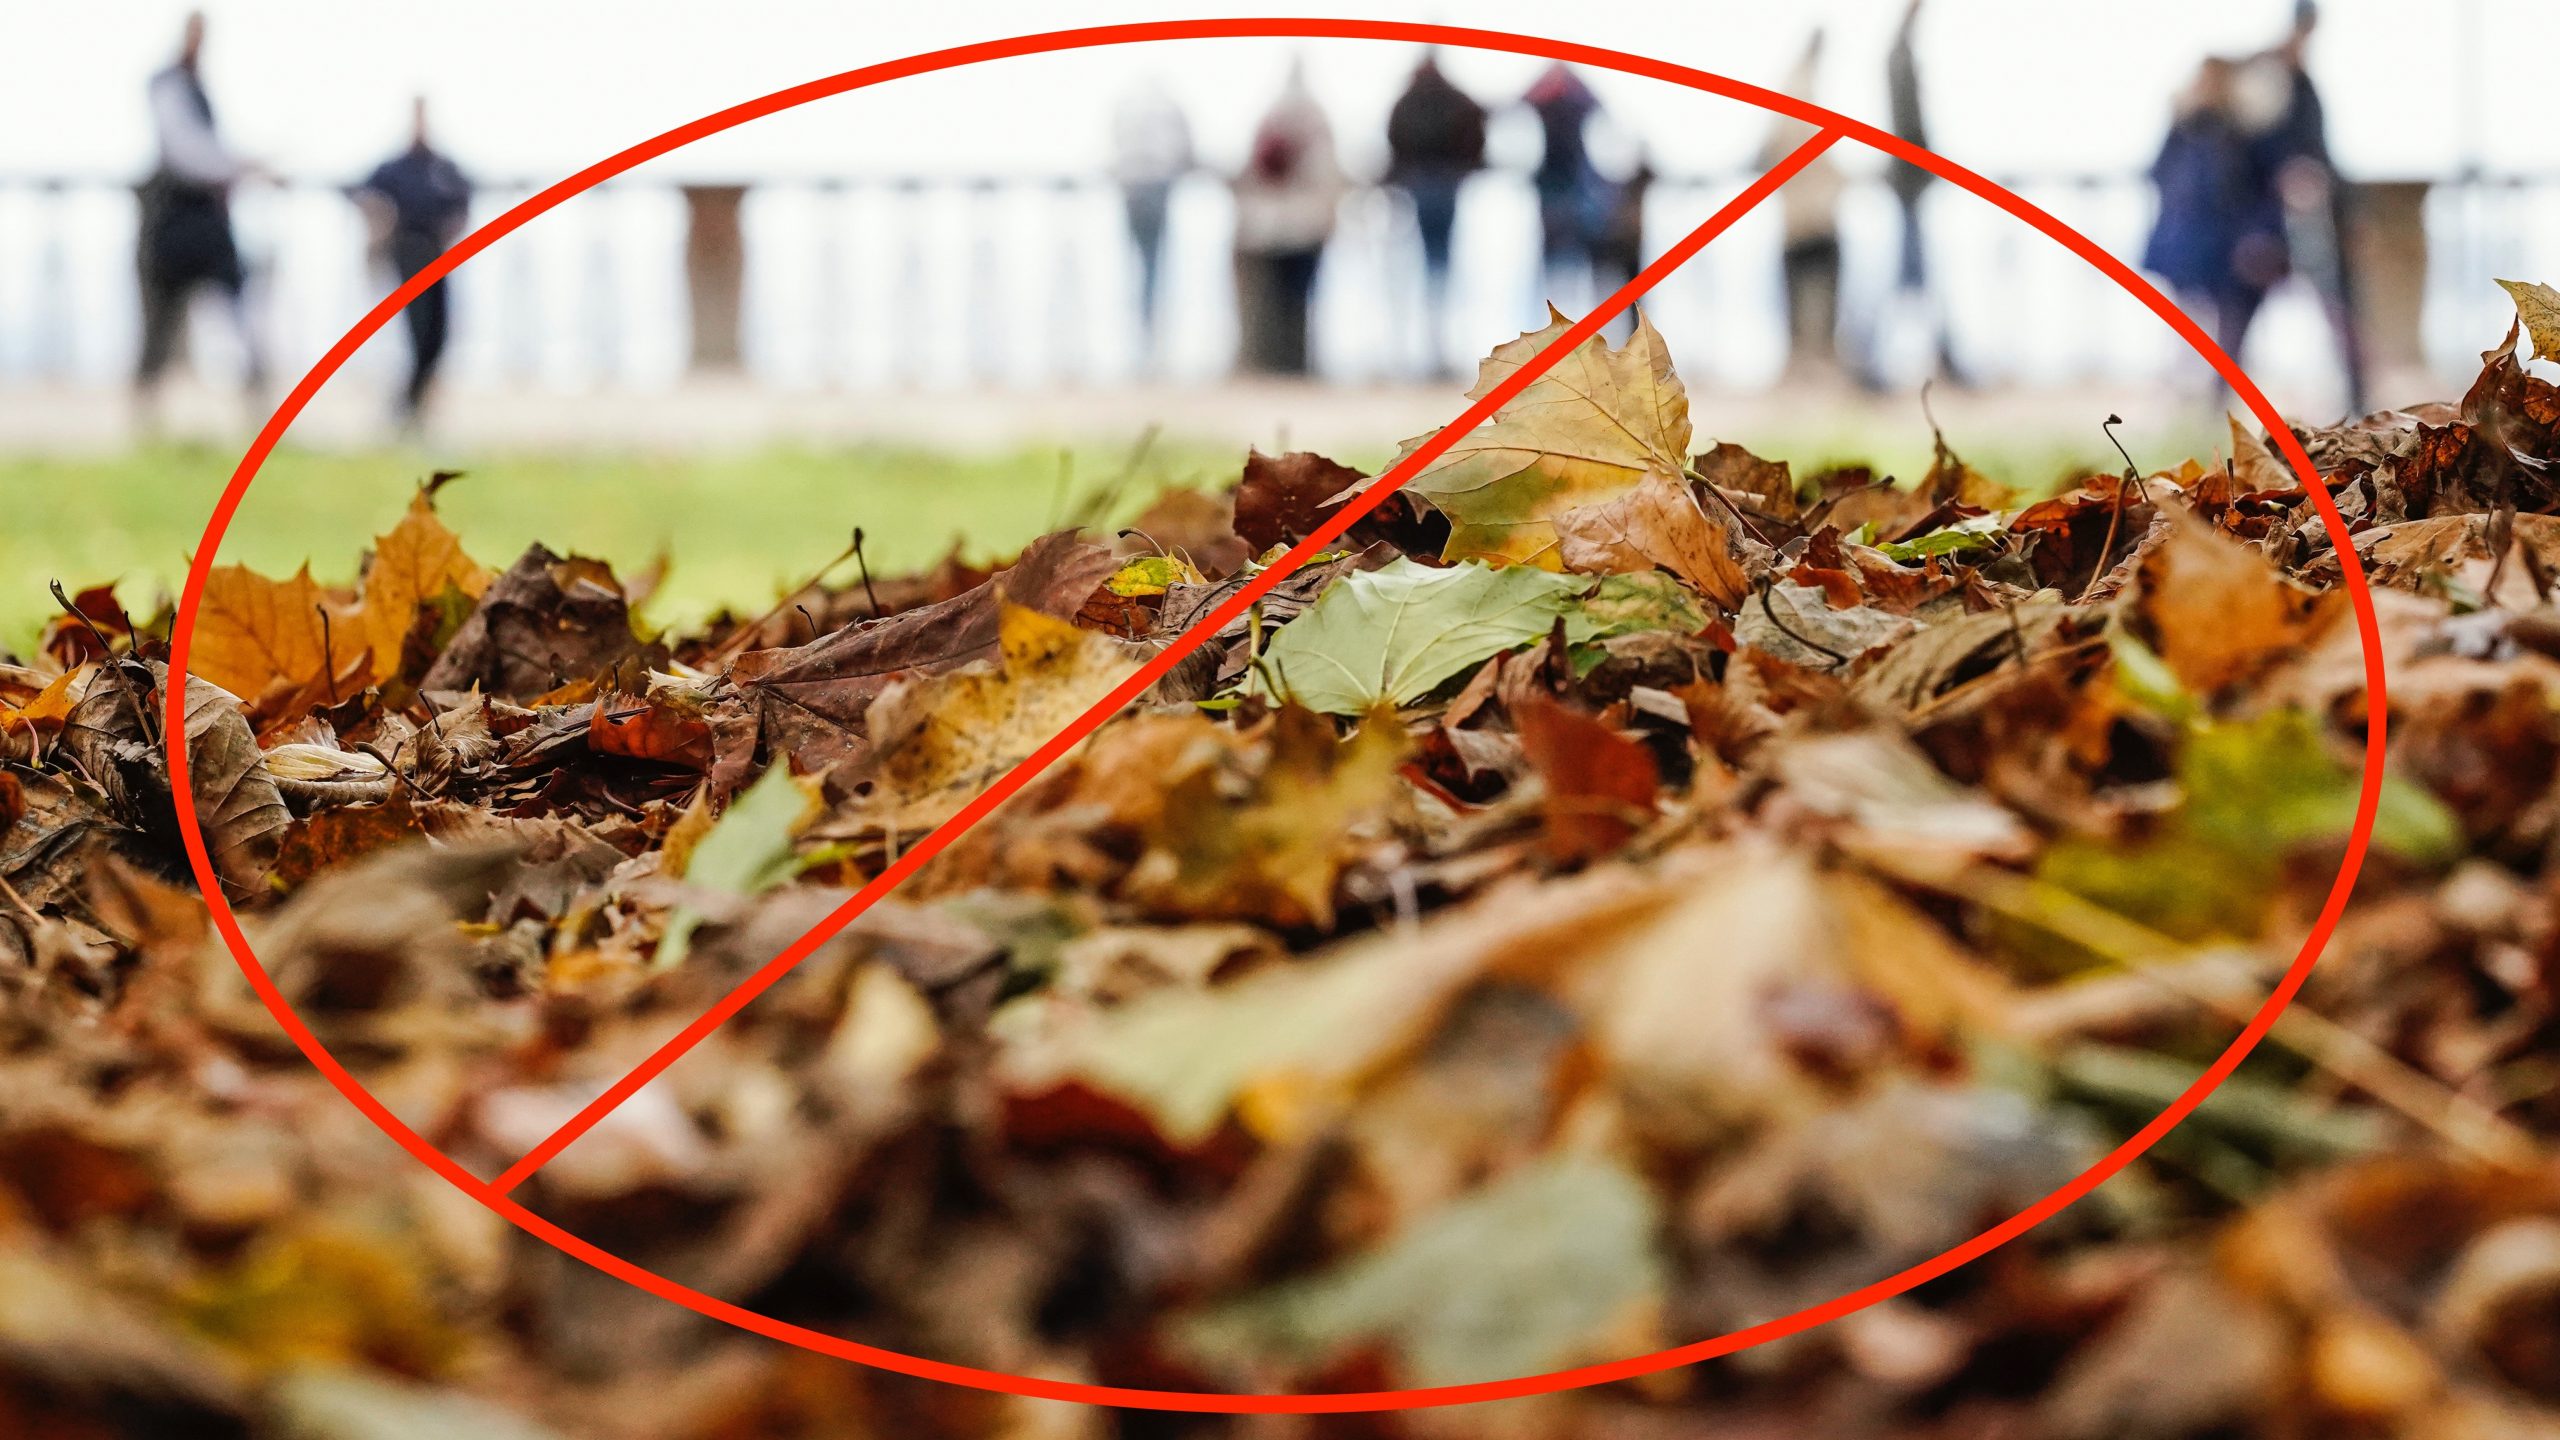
(1626, 892)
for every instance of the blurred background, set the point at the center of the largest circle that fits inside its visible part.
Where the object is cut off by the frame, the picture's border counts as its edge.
(957, 305)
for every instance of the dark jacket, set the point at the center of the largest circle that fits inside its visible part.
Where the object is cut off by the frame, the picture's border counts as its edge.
(1435, 131)
(2207, 196)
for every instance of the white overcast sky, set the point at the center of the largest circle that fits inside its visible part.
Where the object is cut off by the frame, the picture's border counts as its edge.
(530, 89)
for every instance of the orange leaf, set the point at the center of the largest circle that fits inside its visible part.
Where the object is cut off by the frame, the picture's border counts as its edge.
(253, 631)
(50, 707)
(418, 560)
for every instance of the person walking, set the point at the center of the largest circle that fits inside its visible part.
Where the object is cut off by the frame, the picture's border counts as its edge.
(2280, 110)
(1809, 217)
(1435, 140)
(2217, 237)
(1574, 198)
(1910, 185)
(415, 204)
(1151, 144)
(185, 237)
(1285, 204)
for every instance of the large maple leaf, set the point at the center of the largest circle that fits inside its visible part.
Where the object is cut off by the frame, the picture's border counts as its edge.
(1585, 433)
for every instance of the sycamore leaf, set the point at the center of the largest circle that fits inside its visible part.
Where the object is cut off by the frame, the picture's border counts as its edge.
(1388, 636)
(252, 632)
(1553, 1264)
(1587, 431)
(942, 739)
(1657, 524)
(747, 851)
(413, 563)
(2538, 306)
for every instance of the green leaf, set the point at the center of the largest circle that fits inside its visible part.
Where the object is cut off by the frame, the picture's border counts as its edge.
(2146, 679)
(746, 853)
(1645, 600)
(1979, 533)
(1390, 635)
(2272, 784)
(1542, 1269)
(1150, 575)
(2255, 791)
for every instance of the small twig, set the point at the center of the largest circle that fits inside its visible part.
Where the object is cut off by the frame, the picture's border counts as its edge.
(747, 632)
(392, 765)
(1837, 659)
(862, 563)
(107, 656)
(812, 619)
(2115, 519)
(20, 901)
(328, 657)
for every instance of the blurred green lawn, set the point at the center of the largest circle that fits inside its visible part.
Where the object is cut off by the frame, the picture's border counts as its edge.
(738, 527)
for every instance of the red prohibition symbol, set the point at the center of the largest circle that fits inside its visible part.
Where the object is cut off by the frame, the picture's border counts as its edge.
(1832, 128)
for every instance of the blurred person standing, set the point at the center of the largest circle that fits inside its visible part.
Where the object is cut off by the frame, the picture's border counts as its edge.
(1285, 204)
(185, 237)
(1809, 217)
(2217, 236)
(1151, 152)
(2280, 109)
(1617, 251)
(1435, 140)
(1574, 198)
(415, 204)
(1910, 185)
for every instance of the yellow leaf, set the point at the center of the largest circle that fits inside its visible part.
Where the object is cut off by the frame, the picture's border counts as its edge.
(942, 739)
(252, 632)
(1586, 432)
(416, 561)
(2538, 306)
(1275, 854)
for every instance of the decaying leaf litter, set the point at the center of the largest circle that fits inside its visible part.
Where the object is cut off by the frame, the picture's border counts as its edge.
(1626, 892)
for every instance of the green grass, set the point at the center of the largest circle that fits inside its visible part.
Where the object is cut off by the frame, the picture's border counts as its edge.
(738, 529)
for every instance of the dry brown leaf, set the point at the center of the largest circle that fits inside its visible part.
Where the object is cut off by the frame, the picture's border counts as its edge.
(1658, 523)
(2253, 465)
(2217, 610)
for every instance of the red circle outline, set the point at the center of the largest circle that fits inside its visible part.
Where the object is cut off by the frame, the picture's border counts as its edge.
(227, 923)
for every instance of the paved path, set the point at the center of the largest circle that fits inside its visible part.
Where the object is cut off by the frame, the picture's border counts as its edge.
(714, 415)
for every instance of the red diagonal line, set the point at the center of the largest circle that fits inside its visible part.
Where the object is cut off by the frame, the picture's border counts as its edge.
(1155, 669)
